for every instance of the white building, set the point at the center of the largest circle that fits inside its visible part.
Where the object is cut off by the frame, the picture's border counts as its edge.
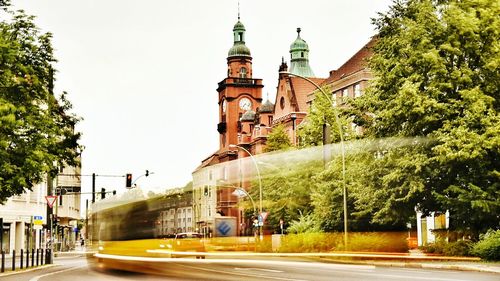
(18, 213)
(26, 224)
(426, 226)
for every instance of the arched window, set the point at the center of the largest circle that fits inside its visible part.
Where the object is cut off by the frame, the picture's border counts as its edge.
(243, 72)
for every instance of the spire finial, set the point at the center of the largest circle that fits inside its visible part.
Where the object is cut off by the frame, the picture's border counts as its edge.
(238, 9)
(298, 31)
(282, 59)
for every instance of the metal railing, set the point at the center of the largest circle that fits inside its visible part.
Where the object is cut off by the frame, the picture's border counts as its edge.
(25, 259)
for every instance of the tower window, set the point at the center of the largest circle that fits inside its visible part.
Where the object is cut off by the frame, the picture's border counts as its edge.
(240, 36)
(301, 54)
(282, 102)
(243, 72)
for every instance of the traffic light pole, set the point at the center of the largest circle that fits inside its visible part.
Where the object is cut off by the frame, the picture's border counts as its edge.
(93, 187)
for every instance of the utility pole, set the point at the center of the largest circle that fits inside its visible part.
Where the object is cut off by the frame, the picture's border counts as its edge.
(93, 187)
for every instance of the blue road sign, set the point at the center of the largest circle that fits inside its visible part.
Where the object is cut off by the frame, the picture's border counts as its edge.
(224, 228)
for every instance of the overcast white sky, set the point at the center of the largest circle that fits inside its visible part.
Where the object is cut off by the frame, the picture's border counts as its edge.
(143, 74)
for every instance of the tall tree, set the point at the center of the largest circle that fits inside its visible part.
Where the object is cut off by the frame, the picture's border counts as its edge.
(310, 131)
(278, 139)
(36, 128)
(436, 75)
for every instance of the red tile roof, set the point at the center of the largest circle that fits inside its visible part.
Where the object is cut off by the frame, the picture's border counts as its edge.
(301, 88)
(356, 63)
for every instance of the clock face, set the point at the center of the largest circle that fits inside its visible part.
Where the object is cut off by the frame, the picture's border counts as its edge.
(245, 104)
(224, 106)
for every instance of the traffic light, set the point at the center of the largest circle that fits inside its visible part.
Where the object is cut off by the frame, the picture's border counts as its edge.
(103, 193)
(128, 180)
(114, 192)
(206, 191)
(147, 173)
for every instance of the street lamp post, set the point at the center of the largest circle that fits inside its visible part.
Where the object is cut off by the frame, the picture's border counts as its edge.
(337, 119)
(260, 180)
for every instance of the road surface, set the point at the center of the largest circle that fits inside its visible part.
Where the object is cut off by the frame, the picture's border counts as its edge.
(75, 268)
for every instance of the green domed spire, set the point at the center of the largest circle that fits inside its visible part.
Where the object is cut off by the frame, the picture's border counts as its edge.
(239, 48)
(299, 51)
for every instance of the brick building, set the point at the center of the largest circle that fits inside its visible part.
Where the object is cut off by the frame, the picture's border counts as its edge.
(245, 120)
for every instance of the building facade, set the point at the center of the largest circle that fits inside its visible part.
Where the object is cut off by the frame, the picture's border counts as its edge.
(26, 220)
(245, 121)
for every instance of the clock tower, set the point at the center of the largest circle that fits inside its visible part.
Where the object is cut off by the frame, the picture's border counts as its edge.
(239, 94)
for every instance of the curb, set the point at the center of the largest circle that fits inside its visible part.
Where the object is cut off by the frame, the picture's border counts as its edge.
(417, 265)
(26, 270)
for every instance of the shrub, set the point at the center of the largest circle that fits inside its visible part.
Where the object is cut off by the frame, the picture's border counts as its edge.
(359, 241)
(377, 242)
(458, 248)
(441, 247)
(488, 246)
(310, 242)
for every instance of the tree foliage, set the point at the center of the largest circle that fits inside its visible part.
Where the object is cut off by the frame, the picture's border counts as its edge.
(36, 128)
(278, 139)
(286, 190)
(436, 65)
(310, 131)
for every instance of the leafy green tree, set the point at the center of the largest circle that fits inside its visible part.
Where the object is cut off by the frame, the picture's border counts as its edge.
(36, 128)
(436, 65)
(286, 190)
(278, 139)
(310, 131)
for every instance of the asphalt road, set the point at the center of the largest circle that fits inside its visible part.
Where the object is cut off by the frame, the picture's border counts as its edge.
(77, 269)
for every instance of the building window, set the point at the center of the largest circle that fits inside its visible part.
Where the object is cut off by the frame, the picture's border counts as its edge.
(243, 72)
(270, 121)
(224, 173)
(357, 90)
(345, 93)
(334, 99)
(282, 102)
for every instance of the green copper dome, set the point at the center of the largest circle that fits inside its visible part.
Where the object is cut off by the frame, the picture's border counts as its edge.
(299, 45)
(248, 116)
(299, 54)
(267, 107)
(239, 26)
(239, 49)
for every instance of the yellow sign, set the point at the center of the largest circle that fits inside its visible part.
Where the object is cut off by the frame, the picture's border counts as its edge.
(37, 220)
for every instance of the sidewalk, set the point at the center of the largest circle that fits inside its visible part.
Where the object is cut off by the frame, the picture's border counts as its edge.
(416, 260)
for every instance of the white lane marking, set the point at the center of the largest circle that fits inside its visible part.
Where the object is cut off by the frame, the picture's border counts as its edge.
(258, 269)
(242, 274)
(36, 278)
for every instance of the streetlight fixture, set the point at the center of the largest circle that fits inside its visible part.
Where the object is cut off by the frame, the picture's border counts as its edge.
(260, 179)
(337, 119)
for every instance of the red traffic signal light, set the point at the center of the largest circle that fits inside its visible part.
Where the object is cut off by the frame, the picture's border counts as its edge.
(128, 180)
